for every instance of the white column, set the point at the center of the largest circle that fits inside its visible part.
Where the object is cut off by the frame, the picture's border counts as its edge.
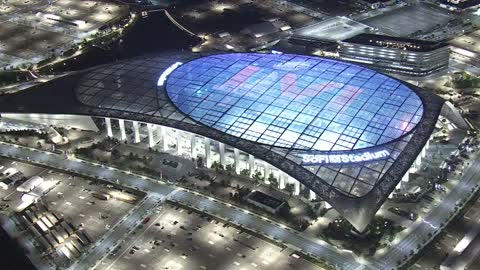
(208, 162)
(159, 131)
(418, 161)
(108, 123)
(251, 164)
(267, 172)
(151, 139)
(179, 142)
(424, 151)
(281, 180)
(312, 195)
(123, 135)
(405, 177)
(193, 151)
(164, 138)
(221, 150)
(136, 131)
(236, 155)
(399, 185)
(296, 190)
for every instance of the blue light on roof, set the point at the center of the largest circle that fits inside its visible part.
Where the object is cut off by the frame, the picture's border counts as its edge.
(294, 101)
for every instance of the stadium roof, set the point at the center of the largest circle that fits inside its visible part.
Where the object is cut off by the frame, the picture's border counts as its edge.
(138, 89)
(294, 101)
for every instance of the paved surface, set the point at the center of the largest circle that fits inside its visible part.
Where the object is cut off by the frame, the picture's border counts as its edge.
(117, 233)
(341, 260)
(409, 20)
(431, 223)
(389, 260)
(247, 220)
(468, 247)
(189, 240)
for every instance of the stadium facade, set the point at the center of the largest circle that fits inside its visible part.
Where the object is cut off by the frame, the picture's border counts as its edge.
(331, 130)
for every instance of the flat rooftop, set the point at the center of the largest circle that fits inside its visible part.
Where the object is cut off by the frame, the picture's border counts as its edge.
(265, 199)
(383, 41)
(333, 29)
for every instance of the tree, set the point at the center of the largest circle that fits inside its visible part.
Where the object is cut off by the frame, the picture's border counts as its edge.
(199, 162)
(284, 211)
(115, 154)
(310, 212)
(217, 167)
(258, 177)
(273, 181)
(245, 172)
(225, 183)
(230, 169)
(302, 223)
(289, 187)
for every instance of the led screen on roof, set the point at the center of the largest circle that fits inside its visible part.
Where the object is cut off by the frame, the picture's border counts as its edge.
(294, 101)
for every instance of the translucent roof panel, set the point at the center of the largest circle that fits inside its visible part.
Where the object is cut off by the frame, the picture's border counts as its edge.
(294, 101)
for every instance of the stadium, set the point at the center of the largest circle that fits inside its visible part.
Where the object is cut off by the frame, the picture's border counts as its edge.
(332, 130)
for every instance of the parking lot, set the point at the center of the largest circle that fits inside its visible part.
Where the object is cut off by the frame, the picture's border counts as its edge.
(72, 199)
(334, 29)
(470, 41)
(176, 238)
(25, 42)
(235, 19)
(32, 30)
(408, 20)
(28, 171)
(433, 258)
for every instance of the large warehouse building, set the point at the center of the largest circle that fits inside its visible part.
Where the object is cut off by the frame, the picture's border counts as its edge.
(336, 131)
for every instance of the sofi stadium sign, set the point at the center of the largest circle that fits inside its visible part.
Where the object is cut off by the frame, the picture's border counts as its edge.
(308, 159)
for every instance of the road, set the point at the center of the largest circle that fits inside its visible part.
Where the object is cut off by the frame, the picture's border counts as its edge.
(468, 248)
(343, 260)
(431, 223)
(117, 233)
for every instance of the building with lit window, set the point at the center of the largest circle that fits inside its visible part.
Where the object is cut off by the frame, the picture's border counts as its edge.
(330, 130)
(459, 4)
(400, 56)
